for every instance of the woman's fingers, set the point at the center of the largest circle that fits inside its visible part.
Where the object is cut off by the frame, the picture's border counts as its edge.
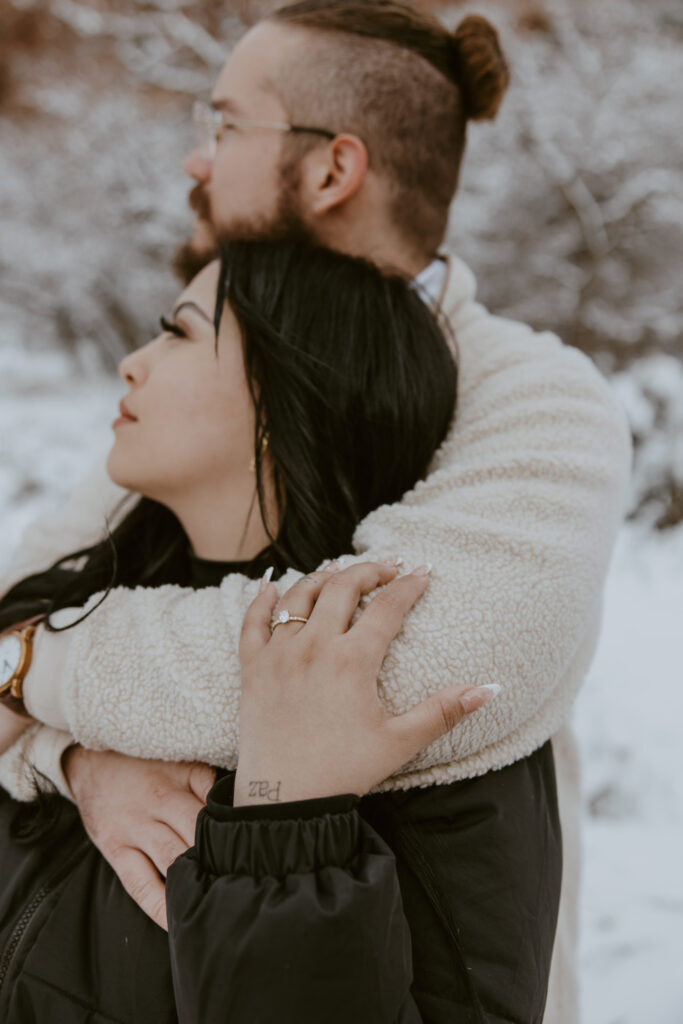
(256, 626)
(417, 728)
(338, 600)
(300, 600)
(327, 598)
(383, 617)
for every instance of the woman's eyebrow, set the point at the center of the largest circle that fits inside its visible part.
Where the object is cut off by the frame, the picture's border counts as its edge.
(224, 103)
(195, 307)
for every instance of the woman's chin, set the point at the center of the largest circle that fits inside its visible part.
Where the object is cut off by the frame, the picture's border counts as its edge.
(120, 474)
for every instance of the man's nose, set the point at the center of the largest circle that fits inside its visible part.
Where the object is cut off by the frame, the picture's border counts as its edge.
(197, 166)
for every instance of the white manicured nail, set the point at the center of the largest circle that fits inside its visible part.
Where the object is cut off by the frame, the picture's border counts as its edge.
(478, 696)
(266, 578)
(423, 570)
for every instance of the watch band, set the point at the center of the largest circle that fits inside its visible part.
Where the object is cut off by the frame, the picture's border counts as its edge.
(11, 695)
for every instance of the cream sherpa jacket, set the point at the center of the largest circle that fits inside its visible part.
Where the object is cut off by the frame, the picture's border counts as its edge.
(518, 516)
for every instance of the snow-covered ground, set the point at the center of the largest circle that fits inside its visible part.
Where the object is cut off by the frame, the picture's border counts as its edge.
(53, 423)
(628, 718)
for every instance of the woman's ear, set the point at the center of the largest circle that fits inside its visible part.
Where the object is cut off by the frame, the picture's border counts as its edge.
(334, 174)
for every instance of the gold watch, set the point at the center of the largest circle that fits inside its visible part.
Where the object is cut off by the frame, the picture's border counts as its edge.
(16, 648)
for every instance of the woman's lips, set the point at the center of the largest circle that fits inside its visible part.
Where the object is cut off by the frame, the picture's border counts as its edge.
(121, 420)
(125, 417)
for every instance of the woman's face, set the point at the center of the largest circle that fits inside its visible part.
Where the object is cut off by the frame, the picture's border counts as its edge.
(193, 427)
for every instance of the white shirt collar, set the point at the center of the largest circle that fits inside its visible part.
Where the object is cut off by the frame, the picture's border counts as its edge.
(429, 282)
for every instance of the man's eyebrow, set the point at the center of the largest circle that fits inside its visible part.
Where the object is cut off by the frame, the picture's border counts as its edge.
(195, 307)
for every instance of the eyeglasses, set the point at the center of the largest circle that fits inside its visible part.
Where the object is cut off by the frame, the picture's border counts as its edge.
(209, 125)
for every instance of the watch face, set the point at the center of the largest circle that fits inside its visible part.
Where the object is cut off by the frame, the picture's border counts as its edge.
(10, 657)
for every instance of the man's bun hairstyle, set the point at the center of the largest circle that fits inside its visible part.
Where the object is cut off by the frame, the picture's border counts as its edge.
(479, 67)
(397, 78)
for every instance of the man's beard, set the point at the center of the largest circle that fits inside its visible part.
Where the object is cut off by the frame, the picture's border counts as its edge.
(189, 259)
(285, 223)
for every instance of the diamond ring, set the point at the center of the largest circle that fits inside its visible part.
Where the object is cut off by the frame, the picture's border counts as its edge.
(285, 617)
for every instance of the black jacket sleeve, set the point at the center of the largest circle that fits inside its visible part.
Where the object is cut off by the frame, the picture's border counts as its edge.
(288, 913)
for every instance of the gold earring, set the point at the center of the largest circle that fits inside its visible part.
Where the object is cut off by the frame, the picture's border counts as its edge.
(264, 445)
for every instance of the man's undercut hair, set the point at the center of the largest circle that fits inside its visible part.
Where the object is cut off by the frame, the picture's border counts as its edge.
(406, 86)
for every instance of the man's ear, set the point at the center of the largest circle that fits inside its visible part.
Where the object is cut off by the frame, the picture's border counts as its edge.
(334, 174)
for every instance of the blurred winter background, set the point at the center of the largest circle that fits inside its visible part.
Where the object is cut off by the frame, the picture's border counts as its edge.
(570, 213)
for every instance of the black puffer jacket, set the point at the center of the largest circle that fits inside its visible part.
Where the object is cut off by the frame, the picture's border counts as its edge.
(434, 905)
(320, 921)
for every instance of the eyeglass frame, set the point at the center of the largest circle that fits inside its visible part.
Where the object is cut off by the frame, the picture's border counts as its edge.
(206, 116)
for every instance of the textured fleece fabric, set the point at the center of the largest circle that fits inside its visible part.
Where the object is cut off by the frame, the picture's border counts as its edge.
(518, 515)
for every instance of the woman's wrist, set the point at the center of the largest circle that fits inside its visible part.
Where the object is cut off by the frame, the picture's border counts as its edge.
(259, 784)
(257, 790)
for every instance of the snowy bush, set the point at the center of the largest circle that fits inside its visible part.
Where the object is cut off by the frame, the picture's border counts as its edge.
(570, 207)
(652, 394)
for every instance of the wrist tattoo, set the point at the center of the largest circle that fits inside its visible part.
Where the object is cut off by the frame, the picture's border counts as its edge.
(263, 788)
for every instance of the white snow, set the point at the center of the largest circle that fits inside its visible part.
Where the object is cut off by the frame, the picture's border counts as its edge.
(629, 719)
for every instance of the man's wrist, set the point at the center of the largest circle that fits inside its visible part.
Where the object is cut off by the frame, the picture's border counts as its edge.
(12, 726)
(44, 680)
(71, 758)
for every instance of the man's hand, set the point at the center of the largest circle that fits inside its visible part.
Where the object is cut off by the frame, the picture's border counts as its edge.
(11, 727)
(140, 815)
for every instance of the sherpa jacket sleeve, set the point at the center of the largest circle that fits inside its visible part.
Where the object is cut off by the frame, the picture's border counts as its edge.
(35, 759)
(288, 913)
(518, 515)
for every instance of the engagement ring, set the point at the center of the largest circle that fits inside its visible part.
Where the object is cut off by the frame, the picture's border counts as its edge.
(285, 617)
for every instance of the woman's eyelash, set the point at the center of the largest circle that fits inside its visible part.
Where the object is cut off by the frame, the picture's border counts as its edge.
(171, 328)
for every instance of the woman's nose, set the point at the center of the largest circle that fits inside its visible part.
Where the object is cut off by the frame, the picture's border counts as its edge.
(198, 166)
(131, 368)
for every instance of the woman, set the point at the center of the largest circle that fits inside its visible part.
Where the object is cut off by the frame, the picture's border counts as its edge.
(339, 386)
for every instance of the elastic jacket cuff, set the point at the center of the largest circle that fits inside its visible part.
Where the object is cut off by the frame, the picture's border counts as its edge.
(275, 839)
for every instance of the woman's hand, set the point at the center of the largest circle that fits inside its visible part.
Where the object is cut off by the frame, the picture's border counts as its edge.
(311, 721)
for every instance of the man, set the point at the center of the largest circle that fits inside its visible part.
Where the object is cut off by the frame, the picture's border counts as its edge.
(378, 98)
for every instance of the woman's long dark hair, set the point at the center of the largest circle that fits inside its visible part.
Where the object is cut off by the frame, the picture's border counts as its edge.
(354, 386)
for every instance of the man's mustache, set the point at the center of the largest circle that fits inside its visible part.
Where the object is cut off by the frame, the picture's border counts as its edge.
(199, 202)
